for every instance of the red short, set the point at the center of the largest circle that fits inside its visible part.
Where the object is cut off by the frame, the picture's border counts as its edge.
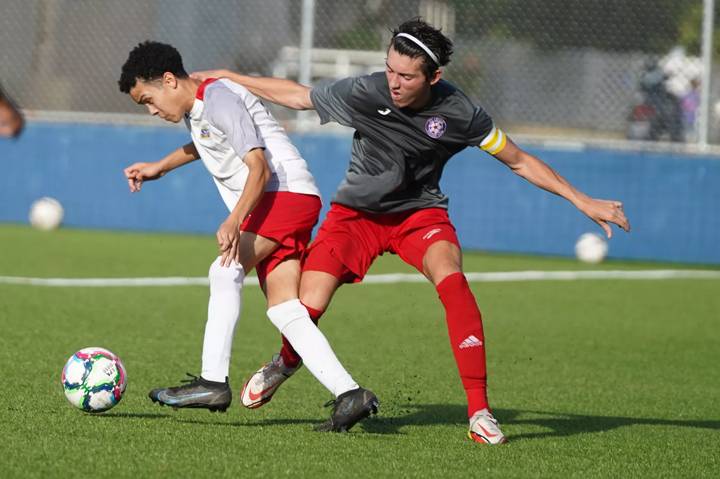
(349, 240)
(287, 218)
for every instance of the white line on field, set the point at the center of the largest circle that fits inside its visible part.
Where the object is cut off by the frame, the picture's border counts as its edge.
(495, 277)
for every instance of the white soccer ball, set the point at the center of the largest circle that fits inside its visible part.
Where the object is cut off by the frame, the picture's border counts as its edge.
(94, 379)
(46, 214)
(591, 248)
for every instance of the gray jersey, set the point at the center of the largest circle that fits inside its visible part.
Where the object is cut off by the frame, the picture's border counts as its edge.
(398, 155)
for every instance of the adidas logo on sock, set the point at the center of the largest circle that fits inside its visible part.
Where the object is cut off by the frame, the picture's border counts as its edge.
(470, 342)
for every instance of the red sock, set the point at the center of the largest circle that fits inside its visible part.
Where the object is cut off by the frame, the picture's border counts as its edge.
(290, 357)
(466, 338)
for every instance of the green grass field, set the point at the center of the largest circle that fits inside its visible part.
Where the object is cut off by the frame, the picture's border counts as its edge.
(610, 378)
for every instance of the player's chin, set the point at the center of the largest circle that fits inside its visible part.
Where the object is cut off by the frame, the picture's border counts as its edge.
(400, 103)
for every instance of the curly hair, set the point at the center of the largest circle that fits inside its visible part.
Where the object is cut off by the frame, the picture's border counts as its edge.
(432, 37)
(149, 61)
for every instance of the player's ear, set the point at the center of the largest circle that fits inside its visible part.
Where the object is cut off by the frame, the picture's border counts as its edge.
(436, 76)
(169, 80)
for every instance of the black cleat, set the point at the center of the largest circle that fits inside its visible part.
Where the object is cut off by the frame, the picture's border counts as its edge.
(350, 408)
(197, 393)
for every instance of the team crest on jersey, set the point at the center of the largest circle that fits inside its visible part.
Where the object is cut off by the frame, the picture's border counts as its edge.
(435, 126)
(204, 132)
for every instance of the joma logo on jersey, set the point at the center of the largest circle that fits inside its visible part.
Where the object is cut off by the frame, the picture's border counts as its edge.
(205, 133)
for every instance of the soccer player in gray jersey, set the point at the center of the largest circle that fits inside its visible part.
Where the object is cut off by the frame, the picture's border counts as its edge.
(409, 123)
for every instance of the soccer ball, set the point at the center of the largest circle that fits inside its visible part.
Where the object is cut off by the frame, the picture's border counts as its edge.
(94, 379)
(591, 248)
(46, 214)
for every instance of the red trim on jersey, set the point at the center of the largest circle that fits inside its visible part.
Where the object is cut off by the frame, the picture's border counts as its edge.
(200, 94)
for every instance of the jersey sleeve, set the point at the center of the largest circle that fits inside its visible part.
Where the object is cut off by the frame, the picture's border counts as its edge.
(227, 112)
(484, 134)
(332, 101)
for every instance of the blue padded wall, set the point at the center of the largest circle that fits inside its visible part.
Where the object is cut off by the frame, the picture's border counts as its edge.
(672, 200)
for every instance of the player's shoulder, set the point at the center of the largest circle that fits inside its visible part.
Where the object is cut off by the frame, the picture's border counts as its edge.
(374, 83)
(451, 99)
(224, 88)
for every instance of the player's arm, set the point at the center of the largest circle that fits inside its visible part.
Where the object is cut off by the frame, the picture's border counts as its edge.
(139, 172)
(11, 120)
(281, 91)
(228, 233)
(542, 175)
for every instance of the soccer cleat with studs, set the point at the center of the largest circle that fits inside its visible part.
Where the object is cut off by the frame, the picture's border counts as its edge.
(196, 393)
(350, 408)
(263, 384)
(485, 429)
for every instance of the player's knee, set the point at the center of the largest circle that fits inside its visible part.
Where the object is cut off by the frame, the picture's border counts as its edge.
(225, 277)
(442, 261)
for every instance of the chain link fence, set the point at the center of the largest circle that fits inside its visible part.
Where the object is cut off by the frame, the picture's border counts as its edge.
(611, 69)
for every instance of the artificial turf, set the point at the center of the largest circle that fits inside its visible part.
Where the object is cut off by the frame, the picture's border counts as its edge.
(602, 378)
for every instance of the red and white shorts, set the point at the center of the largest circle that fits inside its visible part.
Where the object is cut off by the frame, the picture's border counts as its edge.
(287, 218)
(349, 240)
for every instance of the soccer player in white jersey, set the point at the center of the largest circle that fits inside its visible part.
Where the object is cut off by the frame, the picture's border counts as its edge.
(273, 204)
(409, 123)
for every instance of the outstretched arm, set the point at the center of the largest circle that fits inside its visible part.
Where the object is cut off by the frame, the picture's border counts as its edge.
(542, 175)
(228, 234)
(139, 172)
(283, 92)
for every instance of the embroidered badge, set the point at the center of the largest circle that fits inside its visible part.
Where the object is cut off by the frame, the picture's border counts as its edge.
(435, 127)
(204, 133)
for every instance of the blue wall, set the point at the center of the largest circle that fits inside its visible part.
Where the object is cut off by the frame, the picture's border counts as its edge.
(673, 201)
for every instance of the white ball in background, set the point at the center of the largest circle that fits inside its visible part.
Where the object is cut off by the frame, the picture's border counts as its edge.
(46, 214)
(591, 248)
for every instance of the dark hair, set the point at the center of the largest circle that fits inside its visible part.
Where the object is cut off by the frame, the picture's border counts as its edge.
(149, 61)
(438, 43)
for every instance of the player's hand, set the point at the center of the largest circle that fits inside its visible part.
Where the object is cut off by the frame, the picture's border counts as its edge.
(139, 172)
(604, 212)
(228, 238)
(205, 74)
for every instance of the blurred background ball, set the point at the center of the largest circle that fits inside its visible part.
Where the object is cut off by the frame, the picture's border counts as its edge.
(46, 214)
(591, 248)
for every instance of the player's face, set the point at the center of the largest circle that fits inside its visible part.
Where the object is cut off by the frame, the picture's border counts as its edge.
(409, 87)
(161, 97)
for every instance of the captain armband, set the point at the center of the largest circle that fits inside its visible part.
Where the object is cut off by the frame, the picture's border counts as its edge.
(494, 142)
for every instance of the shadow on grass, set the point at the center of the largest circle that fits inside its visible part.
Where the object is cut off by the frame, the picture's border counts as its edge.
(565, 424)
(559, 424)
(134, 415)
(394, 419)
(264, 423)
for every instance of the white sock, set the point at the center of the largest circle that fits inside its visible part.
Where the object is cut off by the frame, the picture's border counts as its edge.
(223, 312)
(293, 320)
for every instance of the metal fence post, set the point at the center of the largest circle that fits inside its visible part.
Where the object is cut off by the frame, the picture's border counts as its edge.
(707, 60)
(306, 45)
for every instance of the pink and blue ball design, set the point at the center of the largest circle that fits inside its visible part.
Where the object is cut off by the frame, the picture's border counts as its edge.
(94, 379)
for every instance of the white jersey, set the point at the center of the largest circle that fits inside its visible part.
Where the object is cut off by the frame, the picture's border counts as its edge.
(226, 122)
